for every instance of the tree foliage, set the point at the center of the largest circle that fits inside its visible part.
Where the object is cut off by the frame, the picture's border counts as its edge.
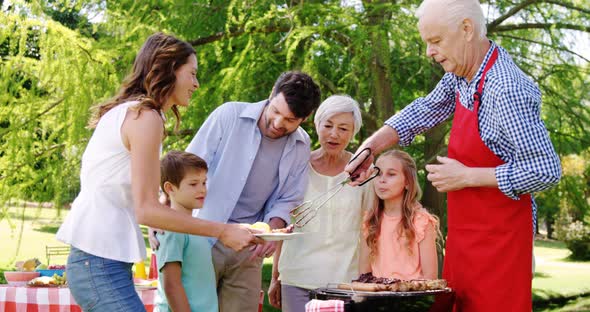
(59, 57)
(50, 75)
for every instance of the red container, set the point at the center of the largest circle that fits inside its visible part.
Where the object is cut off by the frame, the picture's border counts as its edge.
(153, 267)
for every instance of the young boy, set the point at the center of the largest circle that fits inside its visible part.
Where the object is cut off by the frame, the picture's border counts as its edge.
(187, 279)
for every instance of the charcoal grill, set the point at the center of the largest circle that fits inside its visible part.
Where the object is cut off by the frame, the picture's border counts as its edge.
(440, 300)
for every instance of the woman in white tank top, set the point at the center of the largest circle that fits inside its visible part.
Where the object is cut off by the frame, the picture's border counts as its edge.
(120, 177)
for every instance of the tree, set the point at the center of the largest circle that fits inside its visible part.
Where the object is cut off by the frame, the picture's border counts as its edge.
(55, 64)
(50, 75)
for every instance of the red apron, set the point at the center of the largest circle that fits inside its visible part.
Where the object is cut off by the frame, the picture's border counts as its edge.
(488, 258)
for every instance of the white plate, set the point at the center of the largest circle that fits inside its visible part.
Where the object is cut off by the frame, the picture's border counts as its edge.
(143, 287)
(278, 236)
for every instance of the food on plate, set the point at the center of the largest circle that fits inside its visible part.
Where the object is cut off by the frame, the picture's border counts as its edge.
(288, 229)
(265, 228)
(60, 279)
(48, 281)
(42, 281)
(368, 282)
(261, 226)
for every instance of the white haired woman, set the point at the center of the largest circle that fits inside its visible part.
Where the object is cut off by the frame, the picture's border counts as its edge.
(328, 252)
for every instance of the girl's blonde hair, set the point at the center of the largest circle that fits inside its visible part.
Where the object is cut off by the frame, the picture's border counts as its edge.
(410, 206)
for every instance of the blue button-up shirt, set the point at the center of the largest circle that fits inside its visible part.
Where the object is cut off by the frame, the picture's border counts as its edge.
(509, 119)
(228, 141)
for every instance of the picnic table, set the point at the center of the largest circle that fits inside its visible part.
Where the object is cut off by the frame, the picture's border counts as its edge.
(52, 299)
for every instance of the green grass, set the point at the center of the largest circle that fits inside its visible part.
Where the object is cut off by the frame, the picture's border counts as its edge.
(577, 304)
(557, 283)
(558, 280)
(35, 228)
(556, 275)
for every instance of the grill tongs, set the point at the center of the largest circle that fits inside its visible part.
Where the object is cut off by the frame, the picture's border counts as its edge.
(305, 212)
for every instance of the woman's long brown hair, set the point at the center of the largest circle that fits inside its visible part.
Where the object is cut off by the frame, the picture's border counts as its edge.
(410, 205)
(152, 80)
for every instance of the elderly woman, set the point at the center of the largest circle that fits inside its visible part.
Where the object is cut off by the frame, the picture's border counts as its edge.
(329, 250)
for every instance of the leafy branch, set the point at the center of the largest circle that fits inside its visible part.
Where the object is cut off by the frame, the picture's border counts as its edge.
(36, 117)
(494, 24)
(568, 5)
(238, 32)
(545, 45)
(547, 26)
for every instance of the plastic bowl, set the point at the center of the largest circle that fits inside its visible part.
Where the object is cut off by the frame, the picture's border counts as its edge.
(50, 273)
(19, 278)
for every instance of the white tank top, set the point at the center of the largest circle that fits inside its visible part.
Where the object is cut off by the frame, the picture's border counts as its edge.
(102, 219)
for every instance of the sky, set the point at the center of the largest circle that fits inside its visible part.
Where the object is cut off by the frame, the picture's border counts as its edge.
(582, 45)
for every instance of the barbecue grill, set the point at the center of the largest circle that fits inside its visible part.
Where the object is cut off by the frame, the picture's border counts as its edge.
(440, 300)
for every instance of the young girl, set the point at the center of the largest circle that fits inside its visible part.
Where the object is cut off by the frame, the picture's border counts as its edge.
(399, 234)
(119, 180)
(187, 279)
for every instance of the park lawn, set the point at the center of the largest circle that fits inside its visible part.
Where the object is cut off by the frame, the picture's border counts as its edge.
(35, 228)
(556, 276)
(37, 231)
(581, 304)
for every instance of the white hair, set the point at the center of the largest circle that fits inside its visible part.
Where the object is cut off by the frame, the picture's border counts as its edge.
(456, 11)
(336, 104)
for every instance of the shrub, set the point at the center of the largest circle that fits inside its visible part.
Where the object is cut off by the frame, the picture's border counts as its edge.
(575, 235)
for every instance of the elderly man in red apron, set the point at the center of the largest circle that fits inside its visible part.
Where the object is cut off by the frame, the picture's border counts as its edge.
(499, 152)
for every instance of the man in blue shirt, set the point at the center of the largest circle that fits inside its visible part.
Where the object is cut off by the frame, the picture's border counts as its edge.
(499, 153)
(257, 156)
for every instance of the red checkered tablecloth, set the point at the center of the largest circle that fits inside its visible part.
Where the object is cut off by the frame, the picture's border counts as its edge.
(40, 299)
(324, 306)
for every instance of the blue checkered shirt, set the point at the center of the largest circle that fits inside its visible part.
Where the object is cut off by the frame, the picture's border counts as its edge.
(509, 119)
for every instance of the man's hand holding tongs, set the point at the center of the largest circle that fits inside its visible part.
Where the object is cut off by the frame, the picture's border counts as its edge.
(361, 170)
(360, 167)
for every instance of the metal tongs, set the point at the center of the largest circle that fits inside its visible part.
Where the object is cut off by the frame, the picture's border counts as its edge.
(309, 208)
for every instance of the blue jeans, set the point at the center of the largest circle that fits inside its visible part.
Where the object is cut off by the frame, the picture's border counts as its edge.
(98, 284)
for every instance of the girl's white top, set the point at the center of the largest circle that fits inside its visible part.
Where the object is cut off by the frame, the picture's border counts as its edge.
(102, 219)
